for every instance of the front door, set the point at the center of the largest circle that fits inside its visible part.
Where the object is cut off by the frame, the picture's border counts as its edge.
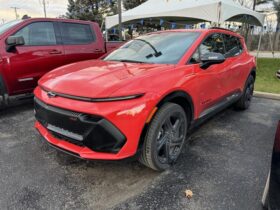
(210, 87)
(41, 53)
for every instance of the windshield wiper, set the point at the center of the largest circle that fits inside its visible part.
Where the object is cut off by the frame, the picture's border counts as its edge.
(156, 54)
(128, 61)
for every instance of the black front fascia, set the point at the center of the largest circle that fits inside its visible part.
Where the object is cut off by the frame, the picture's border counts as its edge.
(80, 129)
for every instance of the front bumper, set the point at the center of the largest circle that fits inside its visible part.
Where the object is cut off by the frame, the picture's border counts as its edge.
(73, 149)
(83, 130)
(107, 131)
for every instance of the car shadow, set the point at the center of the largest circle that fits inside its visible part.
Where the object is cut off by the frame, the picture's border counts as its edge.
(15, 110)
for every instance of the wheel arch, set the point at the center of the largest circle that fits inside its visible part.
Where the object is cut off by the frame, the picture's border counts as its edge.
(3, 92)
(179, 97)
(253, 72)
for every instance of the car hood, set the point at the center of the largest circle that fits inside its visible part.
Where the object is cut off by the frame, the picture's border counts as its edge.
(98, 79)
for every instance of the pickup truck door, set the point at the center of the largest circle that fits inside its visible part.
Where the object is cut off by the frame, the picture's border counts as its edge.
(41, 53)
(81, 41)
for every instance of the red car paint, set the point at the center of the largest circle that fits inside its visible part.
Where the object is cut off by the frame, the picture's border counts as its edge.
(21, 69)
(105, 79)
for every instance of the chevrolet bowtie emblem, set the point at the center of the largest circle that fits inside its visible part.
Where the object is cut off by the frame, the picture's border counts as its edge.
(51, 94)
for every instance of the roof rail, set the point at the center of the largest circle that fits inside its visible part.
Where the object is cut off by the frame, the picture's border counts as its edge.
(222, 29)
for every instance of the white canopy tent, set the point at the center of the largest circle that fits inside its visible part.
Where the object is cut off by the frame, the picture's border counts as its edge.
(190, 11)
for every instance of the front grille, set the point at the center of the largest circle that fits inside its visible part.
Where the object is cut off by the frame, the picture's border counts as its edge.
(65, 138)
(57, 110)
(80, 129)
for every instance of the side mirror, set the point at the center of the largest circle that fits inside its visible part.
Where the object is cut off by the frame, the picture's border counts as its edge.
(211, 58)
(13, 41)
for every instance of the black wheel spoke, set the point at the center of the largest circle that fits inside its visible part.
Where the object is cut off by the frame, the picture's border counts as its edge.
(162, 142)
(167, 152)
(168, 124)
(174, 144)
(177, 125)
(178, 139)
(171, 137)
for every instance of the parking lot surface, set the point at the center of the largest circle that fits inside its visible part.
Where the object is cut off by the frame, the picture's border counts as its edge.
(225, 164)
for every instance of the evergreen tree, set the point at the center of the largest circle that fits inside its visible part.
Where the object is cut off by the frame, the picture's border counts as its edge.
(129, 4)
(93, 10)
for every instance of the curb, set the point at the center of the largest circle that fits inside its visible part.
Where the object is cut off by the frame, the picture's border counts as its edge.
(273, 96)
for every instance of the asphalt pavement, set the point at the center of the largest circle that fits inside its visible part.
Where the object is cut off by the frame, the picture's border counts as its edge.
(225, 164)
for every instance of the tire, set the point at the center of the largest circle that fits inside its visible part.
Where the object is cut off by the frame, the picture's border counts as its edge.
(245, 100)
(165, 137)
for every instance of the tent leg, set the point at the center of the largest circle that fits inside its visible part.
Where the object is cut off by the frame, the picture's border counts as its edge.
(260, 40)
(271, 45)
(106, 32)
(106, 35)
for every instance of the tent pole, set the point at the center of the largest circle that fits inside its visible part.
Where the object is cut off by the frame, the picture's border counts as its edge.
(102, 24)
(120, 19)
(106, 31)
(271, 45)
(260, 40)
(219, 13)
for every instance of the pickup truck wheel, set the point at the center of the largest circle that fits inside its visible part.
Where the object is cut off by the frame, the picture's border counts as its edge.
(165, 137)
(245, 100)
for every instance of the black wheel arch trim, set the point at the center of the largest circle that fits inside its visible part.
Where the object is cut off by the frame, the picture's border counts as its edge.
(3, 88)
(3, 92)
(253, 72)
(170, 97)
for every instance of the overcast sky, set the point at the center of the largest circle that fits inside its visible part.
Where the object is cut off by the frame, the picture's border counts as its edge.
(33, 8)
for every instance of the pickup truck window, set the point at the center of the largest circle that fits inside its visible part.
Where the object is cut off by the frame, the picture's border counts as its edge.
(8, 25)
(38, 34)
(75, 33)
(161, 48)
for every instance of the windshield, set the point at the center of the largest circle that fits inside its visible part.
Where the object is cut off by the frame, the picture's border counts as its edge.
(8, 25)
(161, 48)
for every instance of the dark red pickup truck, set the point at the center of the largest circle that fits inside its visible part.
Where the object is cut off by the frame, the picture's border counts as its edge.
(30, 48)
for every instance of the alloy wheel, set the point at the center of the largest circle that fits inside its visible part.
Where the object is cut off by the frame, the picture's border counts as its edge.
(170, 138)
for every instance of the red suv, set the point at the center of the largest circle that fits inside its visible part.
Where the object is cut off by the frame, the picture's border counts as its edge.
(144, 96)
(30, 48)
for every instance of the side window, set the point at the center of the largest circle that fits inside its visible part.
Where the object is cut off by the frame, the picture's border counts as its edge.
(195, 58)
(214, 43)
(38, 34)
(75, 33)
(233, 46)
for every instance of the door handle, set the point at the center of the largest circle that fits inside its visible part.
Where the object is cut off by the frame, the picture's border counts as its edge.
(97, 50)
(55, 52)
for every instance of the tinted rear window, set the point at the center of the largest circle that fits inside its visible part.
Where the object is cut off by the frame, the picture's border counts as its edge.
(233, 45)
(75, 33)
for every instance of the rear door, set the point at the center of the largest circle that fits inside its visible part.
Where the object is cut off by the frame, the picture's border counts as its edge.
(80, 42)
(236, 64)
(41, 53)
